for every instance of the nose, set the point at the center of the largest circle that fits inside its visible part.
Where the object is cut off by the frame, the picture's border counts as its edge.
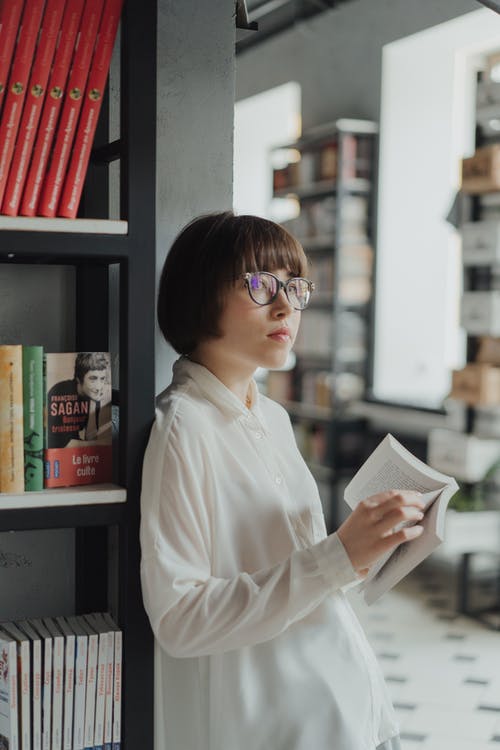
(281, 306)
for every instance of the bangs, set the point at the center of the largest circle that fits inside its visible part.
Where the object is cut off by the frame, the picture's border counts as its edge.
(262, 245)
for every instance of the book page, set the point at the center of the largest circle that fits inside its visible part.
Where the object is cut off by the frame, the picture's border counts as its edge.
(392, 467)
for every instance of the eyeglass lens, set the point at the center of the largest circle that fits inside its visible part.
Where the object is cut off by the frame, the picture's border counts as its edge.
(264, 288)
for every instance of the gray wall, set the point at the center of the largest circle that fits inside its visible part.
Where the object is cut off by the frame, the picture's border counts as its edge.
(196, 72)
(336, 57)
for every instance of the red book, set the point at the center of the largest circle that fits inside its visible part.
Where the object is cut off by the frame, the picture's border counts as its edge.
(87, 124)
(53, 182)
(51, 106)
(33, 106)
(10, 13)
(18, 82)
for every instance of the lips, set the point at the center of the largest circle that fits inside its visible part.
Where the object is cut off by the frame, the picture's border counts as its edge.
(280, 334)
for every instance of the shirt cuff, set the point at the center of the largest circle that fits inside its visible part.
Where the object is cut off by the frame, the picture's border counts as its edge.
(334, 563)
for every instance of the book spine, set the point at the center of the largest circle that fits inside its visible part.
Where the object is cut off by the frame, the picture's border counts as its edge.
(18, 82)
(36, 689)
(33, 417)
(9, 692)
(25, 693)
(117, 691)
(69, 689)
(73, 184)
(80, 685)
(11, 420)
(51, 107)
(57, 691)
(10, 15)
(90, 697)
(100, 692)
(47, 694)
(53, 183)
(108, 709)
(35, 96)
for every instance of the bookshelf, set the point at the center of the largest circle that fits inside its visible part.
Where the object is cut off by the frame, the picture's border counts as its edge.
(329, 172)
(113, 261)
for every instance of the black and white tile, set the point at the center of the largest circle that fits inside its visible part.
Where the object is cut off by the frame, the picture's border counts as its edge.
(442, 669)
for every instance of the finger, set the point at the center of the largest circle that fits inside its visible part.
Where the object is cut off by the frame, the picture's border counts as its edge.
(396, 500)
(399, 515)
(399, 537)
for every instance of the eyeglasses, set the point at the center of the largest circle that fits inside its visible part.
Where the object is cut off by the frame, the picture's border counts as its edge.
(264, 287)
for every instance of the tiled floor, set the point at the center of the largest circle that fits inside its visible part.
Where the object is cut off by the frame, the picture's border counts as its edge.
(443, 670)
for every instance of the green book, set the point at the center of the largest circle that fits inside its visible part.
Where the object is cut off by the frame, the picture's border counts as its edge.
(33, 417)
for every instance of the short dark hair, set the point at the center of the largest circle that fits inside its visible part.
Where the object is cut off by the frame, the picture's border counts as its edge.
(85, 361)
(208, 255)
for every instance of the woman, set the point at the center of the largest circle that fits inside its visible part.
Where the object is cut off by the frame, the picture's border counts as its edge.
(259, 648)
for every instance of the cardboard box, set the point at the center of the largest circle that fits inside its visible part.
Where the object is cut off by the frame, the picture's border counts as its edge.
(481, 242)
(489, 350)
(465, 457)
(477, 385)
(481, 172)
(480, 314)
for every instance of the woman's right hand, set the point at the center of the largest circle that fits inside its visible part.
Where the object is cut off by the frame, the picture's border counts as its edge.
(374, 526)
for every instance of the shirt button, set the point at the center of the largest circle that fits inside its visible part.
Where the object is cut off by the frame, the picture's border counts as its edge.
(259, 435)
(278, 479)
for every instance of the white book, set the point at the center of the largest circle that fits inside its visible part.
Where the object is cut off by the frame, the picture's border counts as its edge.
(69, 681)
(117, 682)
(110, 659)
(36, 683)
(102, 660)
(90, 693)
(392, 467)
(24, 680)
(81, 649)
(40, 628)
(57, 682)
(9, 715)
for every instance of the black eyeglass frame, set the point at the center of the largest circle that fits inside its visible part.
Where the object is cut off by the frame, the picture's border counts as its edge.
(281, 285)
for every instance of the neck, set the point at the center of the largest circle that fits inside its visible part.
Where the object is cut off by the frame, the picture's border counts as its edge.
(235, 376)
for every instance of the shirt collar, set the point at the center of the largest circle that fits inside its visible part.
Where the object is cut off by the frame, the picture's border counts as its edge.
(214, 389)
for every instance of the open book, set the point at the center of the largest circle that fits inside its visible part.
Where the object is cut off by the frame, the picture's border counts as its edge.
(393, 467)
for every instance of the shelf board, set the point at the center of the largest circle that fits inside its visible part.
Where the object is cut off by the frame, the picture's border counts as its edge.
(77, 226)
(65, 507)
(88, 494)
(322, 187)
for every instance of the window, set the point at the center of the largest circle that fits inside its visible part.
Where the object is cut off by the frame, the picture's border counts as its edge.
(426, 127)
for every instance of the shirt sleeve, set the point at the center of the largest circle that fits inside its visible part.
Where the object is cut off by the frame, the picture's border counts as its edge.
(194, 613)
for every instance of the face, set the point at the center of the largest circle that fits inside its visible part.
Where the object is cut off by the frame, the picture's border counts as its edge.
(254, 335)
(93, 384)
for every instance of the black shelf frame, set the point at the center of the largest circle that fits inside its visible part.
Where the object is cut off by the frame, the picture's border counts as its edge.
(338, 424)
(107, 534)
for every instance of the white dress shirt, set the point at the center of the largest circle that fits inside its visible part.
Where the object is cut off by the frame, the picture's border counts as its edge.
(259, 649)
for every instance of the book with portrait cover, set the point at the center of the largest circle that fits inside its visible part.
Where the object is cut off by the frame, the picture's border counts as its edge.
(9, 732)
(78, 418)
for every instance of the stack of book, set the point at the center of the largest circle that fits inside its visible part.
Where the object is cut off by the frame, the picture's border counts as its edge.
(55, 418)
(60, 683)
(54, 63)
